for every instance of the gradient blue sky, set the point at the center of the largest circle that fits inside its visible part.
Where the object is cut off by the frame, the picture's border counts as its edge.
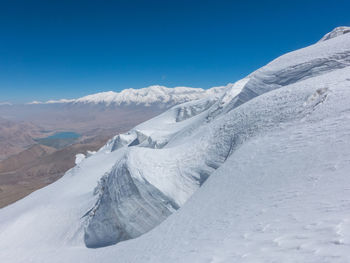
(66, 49)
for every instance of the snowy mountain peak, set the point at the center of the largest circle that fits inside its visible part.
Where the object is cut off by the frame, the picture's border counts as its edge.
(152, 95)
(338, 31)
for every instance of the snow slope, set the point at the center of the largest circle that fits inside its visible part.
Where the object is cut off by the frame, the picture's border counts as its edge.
(338, 31)
(260, 173)
(152, 95)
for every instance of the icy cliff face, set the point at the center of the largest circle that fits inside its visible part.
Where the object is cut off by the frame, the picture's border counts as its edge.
(126, 208)
(265, 152)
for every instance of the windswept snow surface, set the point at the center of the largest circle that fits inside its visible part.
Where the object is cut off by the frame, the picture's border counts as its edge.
(338, 31)
(272, 157)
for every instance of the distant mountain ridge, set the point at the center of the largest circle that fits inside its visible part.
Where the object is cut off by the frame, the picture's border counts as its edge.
(152, 95)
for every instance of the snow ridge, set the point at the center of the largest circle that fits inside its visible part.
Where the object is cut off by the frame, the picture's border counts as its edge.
(338, 31)
(152, 95)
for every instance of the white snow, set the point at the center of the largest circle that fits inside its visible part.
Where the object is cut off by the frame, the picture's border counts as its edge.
(152, 95)
(261, 174)
(35, 102)
(90, 153)
(338, 31)
(79, 158)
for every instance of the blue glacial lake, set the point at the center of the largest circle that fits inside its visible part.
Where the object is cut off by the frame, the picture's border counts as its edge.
(64, 135)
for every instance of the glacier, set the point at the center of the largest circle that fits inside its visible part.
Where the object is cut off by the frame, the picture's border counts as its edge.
(258, 173)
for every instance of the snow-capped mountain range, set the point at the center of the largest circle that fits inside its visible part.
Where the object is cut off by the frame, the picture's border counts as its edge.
(153, 95)
(257, 174)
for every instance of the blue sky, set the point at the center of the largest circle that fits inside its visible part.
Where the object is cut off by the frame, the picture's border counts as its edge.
(66, 49)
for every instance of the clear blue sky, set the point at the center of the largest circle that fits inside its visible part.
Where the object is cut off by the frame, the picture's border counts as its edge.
(66, 49)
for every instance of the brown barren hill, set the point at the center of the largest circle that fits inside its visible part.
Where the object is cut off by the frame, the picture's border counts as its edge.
(25, 157)
(16, 136)
(37, 167)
